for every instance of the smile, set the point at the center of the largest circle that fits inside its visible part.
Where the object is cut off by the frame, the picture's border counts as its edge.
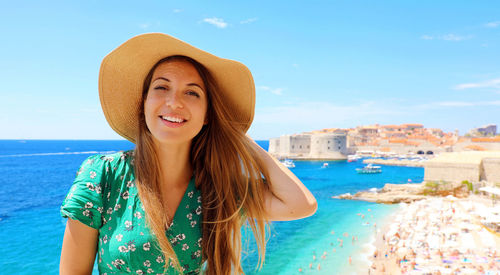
(173, 119)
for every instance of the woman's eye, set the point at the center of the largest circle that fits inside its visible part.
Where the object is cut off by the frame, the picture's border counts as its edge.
(193, 93)
(160, 88)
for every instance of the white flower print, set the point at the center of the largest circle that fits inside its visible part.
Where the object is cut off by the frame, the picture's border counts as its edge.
(146, 246)
(193, 224)
(86, 213)
(131, 246)
(198, 210)
(98, 189)
(150, 270)
(105, 239)
(138, 215)
(92, 174)
(180, 237)
(190, 216)
(117, 263)
(147, 263)
(199, 242)
(90, 186)
(159, 259)
(128, 223)
(119, 237)
(140, 272)
(198, 253)
(108, 158)
(199, 199)
(125, 195)
(89, 205)
(109, 194)
(185, 247)
(118, 206)
(110, 211)
(100, 209)
(190, 194)
(130, 184)
(123, 248)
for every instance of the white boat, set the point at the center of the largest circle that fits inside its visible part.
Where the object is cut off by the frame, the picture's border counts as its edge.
(288, 163)
(325, 164)
(351, 158)
(369, 169)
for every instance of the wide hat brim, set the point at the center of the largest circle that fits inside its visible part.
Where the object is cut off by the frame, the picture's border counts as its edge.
(123, 71)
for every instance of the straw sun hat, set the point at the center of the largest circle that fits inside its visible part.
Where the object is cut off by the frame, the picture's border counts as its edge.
(123, 72)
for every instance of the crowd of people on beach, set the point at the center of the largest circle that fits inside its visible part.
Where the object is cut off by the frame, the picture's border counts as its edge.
(438, 236)
(431, 236)
(315, 264)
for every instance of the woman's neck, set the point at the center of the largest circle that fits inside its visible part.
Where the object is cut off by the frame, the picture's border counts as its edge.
(176, 170)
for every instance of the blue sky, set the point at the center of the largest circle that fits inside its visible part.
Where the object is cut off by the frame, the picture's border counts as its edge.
(316, 64)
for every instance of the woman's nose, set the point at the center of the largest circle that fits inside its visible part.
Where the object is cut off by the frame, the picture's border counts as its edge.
(173, 101)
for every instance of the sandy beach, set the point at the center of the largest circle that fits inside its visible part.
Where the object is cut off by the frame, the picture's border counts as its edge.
(439, 236)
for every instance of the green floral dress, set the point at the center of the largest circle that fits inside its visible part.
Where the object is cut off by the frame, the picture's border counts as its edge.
(104, 197)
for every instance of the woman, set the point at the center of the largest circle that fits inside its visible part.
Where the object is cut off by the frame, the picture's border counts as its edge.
(177, 201)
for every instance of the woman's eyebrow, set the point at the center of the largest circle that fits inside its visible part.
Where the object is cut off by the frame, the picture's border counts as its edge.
(161, 77)
(168, 80)
(195, 84)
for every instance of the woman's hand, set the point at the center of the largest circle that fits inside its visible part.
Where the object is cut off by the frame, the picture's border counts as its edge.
(291, 199)
(78, 249)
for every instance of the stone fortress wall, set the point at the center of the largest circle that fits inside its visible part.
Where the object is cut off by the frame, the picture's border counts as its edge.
(309, 146)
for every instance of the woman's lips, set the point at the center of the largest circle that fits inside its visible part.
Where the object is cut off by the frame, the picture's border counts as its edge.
(172, 121)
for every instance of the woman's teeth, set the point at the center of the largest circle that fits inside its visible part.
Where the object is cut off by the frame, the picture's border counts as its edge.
(172, 119)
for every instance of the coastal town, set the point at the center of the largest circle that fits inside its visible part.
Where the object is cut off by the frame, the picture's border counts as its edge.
(382, 140)
(447, 224)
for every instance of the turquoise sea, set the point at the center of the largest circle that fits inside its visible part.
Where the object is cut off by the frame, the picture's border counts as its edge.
(35, 176)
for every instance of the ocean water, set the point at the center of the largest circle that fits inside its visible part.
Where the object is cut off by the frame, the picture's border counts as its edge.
(35, 176)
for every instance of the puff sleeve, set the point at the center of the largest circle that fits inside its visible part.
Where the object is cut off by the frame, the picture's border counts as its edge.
(84, 201)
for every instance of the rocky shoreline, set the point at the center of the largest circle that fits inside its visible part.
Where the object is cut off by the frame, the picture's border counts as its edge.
(407, 193)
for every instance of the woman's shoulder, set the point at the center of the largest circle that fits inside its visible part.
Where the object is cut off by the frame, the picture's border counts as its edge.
(108, 166)
(111, 159)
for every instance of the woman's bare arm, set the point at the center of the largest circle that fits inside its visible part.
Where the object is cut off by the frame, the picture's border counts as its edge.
(78, 249)
(293, 200)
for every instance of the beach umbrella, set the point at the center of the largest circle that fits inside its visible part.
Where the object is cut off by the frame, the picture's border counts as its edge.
(402, 251)
(451, 198)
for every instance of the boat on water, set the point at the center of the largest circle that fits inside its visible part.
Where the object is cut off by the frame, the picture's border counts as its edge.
(288, 163)
(369, 169)
(351, 158)
(325, 165)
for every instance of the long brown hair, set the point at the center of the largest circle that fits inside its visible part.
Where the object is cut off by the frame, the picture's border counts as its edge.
(231, 177)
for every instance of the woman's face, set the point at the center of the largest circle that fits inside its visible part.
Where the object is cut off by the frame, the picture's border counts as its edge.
(176, 104)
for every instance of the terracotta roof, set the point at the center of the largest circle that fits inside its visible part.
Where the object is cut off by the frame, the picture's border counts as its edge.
(475, 148)
(486, 139)
(412, 124)
(390, 126)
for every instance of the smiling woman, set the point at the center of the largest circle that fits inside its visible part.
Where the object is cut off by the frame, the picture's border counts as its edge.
(177, 202)
(175, 98)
